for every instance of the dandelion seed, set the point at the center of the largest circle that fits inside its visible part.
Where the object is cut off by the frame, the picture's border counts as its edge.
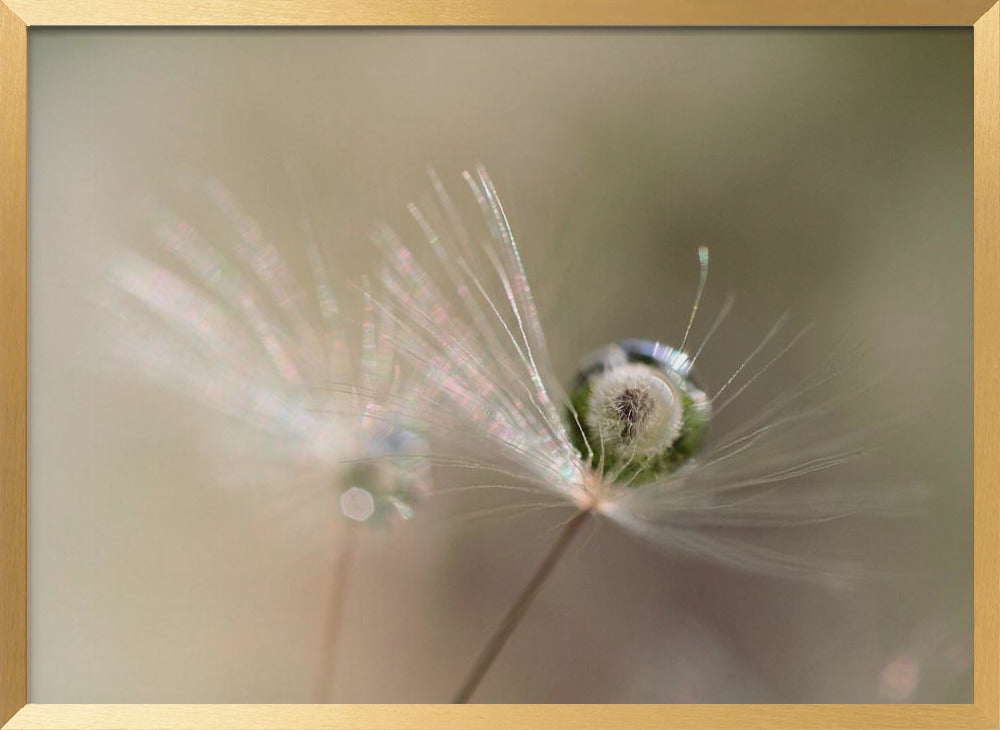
(237, 333)
(630, 442)
(230, 328)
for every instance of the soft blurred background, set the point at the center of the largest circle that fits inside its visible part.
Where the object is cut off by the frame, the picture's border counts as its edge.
(830, 172)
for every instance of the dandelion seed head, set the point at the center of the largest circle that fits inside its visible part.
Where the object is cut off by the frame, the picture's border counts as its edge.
(222, 321)
(629, 440)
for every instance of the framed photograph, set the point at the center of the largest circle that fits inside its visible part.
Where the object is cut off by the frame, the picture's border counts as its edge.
(603, 366)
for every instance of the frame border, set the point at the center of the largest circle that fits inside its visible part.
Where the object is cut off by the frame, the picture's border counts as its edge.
(16, 16)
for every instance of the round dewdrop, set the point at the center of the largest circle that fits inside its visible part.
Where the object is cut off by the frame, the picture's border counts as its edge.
(637, 411)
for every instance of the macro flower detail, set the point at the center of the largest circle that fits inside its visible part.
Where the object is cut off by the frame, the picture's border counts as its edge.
(229, 327)
(450, 368)
(232, 329)
(630, 442)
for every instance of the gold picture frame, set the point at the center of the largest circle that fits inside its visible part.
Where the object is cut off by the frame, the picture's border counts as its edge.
(18, 16)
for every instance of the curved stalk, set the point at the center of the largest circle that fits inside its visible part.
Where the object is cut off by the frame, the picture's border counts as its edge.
(517, 611)
(335, 612)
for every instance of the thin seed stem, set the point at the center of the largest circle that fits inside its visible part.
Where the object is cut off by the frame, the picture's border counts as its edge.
(520, 607)
(335, 611)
